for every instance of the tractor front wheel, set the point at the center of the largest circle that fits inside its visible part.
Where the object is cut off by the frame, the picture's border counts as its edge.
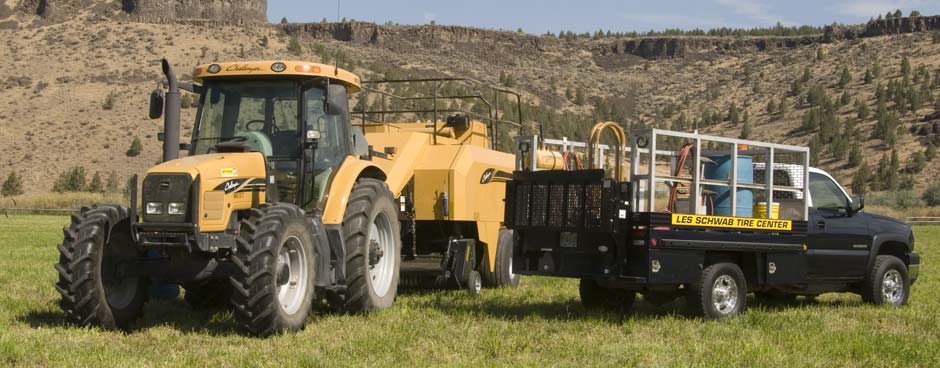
(94, 260)
(272, 292)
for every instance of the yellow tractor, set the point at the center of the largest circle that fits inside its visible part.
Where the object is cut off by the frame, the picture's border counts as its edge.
(282, 203)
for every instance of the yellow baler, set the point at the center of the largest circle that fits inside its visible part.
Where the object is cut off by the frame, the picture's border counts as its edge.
(450, 189)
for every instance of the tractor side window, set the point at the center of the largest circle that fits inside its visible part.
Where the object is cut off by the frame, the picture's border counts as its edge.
(332, 147)
(826, 193)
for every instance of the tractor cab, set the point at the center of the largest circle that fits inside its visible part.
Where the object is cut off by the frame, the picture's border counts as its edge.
(295, 114)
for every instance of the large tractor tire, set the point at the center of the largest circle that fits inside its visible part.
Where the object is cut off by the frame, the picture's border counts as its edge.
(272, 291)
(93, 260)
(502, 271)
(373, 248)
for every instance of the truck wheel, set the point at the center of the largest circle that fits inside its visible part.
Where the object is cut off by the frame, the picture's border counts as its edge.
(373, 247)
(887, 283)
(596, 297)
(93, 260)
(272, 290)
(474, 283)
(502, 269)
(207, 295)
(720, 292)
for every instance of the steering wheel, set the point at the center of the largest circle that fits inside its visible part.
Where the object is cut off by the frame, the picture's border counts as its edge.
(256, 121)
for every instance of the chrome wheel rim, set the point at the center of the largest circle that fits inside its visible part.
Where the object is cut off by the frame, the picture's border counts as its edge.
(292, 275)
(892, 287)
(381, 254)
(725, 294)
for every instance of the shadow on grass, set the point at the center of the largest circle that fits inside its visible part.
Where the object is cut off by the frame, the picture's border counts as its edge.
(573, 310)
(173, 314)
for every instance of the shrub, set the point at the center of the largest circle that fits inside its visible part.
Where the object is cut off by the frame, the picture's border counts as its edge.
(293, 46)
(108, 103)
(95, 185)
(898, 199)
(136, 148)
(12, 186)
(932, 195)
(112, 184)
(72, 180)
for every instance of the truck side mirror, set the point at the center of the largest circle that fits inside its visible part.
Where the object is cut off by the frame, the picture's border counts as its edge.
(857, 205)
(336, 101)
(156, 104)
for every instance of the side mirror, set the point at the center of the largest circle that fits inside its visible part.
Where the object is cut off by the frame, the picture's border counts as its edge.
(156, 104)
(336, 101)
(857, 205)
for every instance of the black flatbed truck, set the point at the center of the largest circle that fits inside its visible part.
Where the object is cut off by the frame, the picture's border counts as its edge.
(584, 224)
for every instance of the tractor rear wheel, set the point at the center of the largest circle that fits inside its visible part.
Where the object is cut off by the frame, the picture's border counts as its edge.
(93, 262)
(272, 291)
(502, 272)
(373, 247)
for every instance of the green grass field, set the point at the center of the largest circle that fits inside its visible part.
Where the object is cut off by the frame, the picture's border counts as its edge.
(541, 323)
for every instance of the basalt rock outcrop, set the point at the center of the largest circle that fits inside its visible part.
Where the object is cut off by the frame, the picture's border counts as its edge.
(152, 11)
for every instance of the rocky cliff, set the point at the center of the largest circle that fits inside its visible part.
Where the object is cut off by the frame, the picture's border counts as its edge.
(152, 11)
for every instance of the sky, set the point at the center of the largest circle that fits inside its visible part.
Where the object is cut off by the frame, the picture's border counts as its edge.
(540, 16)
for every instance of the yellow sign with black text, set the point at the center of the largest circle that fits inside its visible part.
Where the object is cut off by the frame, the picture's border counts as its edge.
(682, 219)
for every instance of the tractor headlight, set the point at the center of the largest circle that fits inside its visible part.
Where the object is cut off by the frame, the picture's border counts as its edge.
(154, 208)
(176, 208)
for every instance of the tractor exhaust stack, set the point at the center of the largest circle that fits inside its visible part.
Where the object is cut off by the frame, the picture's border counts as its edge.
(171, 117)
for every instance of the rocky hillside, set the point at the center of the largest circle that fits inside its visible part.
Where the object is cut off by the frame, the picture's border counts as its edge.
(73, 90)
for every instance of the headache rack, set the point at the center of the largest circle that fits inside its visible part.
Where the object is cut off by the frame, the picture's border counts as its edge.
(575, 201)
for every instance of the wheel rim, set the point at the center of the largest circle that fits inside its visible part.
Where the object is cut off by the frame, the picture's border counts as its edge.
(381, 254)
(892, 287)
(725, 294)
(119, 290)
(477, 285)
(291, 274)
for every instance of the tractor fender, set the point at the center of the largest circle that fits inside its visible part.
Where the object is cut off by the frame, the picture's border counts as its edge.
(880, 240)
(349, 172)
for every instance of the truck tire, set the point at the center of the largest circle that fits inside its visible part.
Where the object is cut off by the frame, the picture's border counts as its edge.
(596, 297)
(207, 295)
(720, 292)
(502, 269)
(373, 247)
(887, 283)
(272, 289)
(93, 290)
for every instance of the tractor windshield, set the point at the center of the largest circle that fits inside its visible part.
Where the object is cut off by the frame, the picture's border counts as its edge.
(263, 114)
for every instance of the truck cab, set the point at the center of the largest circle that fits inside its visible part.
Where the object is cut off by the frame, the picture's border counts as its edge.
(842, 239)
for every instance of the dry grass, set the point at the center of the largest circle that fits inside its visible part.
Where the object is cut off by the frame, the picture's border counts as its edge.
(539, 324)
(61, 200)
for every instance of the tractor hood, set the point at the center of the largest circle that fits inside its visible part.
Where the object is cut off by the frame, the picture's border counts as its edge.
(215, 168)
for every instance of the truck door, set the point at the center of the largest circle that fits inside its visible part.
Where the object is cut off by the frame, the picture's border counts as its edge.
(838, 241)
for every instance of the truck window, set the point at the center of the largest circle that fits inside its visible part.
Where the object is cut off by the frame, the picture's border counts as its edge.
(825, 192)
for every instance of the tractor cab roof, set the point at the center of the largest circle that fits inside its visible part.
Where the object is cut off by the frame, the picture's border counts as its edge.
(295, 69)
